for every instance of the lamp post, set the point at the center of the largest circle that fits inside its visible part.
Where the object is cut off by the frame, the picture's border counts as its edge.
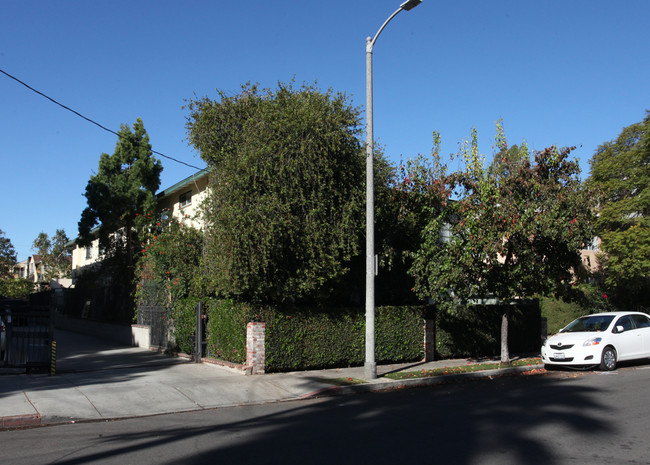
(370, 367)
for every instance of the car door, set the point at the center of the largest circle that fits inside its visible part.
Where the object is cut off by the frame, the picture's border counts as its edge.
(643, 326)
(628, 341)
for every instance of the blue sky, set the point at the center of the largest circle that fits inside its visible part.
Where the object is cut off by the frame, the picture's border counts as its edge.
(557, 72)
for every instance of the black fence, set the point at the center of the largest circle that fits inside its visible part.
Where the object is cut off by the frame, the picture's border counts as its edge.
(27, 335)
(154, 317)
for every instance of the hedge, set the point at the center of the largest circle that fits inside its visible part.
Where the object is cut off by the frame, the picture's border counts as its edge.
(183, 317)
(301, 339)
(307, 338)
(226, 329)
(476, 331)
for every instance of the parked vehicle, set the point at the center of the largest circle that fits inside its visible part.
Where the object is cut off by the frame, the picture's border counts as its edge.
(601, 340)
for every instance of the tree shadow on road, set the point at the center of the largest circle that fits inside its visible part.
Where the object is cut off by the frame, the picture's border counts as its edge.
(488, 421)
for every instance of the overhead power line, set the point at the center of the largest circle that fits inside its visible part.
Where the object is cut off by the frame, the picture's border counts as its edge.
(90, 120)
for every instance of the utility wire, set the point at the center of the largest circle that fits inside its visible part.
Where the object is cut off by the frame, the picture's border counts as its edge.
(91, 121)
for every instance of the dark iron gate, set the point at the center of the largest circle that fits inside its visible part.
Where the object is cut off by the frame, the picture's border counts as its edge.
(28, 336)
(153, 316)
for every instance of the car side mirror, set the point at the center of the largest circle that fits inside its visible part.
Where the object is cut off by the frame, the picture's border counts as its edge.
(620, 329)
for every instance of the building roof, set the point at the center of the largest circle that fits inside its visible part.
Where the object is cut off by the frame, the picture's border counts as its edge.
(164, 193)
(184, 183)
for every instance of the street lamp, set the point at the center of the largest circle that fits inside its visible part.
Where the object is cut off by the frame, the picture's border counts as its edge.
(370, 367)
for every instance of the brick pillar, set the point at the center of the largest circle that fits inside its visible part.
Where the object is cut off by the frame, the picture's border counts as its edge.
(429, 340)
(255, 348)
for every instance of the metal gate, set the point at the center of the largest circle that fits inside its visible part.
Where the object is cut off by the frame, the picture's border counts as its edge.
(154, 317)
(28, 332)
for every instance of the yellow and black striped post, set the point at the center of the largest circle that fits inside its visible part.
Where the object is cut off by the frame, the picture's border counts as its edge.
(53, 359)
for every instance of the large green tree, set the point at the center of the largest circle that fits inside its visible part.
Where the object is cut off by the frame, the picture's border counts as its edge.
(287, 206)
(120, 198)
(122, 192)
(506, 233)
(620, 172)
(7, 256)
(54, 253)
(405, 199)
(15, 288)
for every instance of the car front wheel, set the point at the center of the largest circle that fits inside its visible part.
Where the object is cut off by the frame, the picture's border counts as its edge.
(608, 359)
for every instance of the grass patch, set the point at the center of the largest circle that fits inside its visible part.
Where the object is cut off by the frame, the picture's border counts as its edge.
(460, 369)
(344, 381)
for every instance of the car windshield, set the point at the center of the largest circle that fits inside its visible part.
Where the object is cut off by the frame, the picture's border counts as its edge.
(589, 323)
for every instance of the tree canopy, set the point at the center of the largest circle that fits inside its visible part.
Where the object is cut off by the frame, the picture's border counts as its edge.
(287, 179)
(511, 232)
(620, 173)
(122, 191)
(54, 254)
(7, 255)
(121, 201)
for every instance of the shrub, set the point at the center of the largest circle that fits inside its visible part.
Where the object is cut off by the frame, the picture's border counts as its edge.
(16, 288)
(583, 300)
(310, 338)
(476, 331)
(226, 330)
(183, 319)
(170, 260)
(306, 338)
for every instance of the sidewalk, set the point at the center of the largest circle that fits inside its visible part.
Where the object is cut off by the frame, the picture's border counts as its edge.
(96, 380)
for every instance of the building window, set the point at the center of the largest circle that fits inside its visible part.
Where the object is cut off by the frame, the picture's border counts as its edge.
(89, 252)
(185, 199)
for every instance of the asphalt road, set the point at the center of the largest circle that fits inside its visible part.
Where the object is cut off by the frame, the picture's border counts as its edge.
(553, 418)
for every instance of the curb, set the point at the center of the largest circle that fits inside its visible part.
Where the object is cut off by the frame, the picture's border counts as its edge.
(20, 421)
(386, 384)
(379, 385)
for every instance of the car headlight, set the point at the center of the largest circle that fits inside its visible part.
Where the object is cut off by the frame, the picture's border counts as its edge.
(592, 341)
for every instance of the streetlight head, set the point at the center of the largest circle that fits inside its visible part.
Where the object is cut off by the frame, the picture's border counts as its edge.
(409, 4)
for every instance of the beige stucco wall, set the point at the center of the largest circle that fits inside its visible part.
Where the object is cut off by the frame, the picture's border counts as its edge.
(189, 213)
(195, 189)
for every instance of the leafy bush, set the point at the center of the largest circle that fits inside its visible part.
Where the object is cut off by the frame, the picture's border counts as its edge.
(284, 217)
(476, 331)
(583, 300)
(170, 259)
(16, 288)
(399, 334)
(166, 274)
(305, 338)
(226, 330)
(183, 318)
(308, 338)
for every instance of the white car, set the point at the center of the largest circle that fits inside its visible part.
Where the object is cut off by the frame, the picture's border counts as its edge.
(601, 339)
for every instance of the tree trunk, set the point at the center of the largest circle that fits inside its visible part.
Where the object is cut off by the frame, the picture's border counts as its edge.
(505, 353)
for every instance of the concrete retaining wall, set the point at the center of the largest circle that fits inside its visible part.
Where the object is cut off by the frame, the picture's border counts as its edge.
(134, 335)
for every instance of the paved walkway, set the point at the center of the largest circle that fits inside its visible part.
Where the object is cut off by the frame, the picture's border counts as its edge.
(97, 380)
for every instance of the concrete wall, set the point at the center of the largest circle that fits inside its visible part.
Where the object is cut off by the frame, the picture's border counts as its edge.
(134, 335)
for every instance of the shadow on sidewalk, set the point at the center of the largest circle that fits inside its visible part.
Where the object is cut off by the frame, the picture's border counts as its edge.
(89, 360)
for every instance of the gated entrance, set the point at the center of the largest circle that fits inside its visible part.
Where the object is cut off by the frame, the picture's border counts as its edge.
(28, 332)
(153, 316)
